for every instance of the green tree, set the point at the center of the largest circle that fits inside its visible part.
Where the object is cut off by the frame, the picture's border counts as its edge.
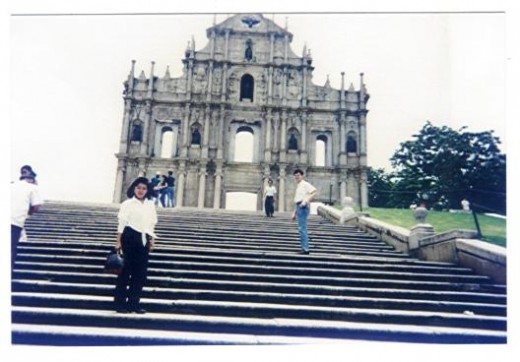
(449, 165)
(380, 187)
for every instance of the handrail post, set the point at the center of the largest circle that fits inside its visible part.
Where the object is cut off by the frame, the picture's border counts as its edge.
(479, 232)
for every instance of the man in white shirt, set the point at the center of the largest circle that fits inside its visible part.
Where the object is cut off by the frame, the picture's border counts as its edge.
(303, 195)
(25, 201)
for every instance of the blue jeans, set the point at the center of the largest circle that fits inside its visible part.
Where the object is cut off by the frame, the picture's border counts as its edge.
(302, 214)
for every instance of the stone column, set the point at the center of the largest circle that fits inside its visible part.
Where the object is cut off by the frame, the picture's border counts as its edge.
(185, 131)
(210, 81)
(281, 191)
(181, 179)
(218, 185)
(342, 91)
(271, 47)
(343, 141)
(146, 128)
(270, 86)
(363, 140)
(284, 86)
(220, 134)
(304, 86)
(189, 85)
(205, 137)
(283, 136)
(202, 185)
(125, 136)
(286, 48)
(267, 150)
(352, 186)
(276, 136)
(343, 188)
(223, 95)
(212, 47)
(119, 181)
(226, 45)
(303, 147)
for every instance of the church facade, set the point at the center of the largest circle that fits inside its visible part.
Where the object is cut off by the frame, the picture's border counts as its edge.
(246, 80)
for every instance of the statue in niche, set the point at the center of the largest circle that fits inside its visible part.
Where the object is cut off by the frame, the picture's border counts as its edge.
(293, 142)
(249, 50)
(137, 132)
(351, 144)
(195, 137)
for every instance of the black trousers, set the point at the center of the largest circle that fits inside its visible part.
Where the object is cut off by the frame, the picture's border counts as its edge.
(130, 282)
(16, 232)
(269, 205)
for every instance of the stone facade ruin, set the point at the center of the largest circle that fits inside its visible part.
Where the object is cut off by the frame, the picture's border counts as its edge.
(246, 79)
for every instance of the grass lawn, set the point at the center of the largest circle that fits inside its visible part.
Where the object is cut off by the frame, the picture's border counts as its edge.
(493, 229)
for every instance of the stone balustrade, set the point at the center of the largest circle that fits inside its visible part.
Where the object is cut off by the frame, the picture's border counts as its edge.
(456, 246)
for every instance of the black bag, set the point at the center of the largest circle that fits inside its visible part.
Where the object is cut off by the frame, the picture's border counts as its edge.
(114, 263)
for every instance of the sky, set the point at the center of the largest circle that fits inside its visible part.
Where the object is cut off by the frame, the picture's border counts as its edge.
(67, 75)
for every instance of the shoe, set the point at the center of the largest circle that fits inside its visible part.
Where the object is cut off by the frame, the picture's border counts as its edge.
(305, 252)
(122, 311)
(139, 310)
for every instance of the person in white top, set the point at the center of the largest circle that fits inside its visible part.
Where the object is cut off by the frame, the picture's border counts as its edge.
(136, 238)
(269, 193)
(25, 201)
(303, 195)
(465, 205)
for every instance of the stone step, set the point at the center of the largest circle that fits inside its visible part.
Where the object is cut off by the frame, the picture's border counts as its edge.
(56, 335)
(269, 311)
(222, 239)
(286, 327)
(442, 297)
(77, 253)
(167, 251)
(448, 304)
(184, 269)
(236, 281)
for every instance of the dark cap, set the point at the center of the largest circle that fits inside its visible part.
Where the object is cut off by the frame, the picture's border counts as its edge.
(28, 170)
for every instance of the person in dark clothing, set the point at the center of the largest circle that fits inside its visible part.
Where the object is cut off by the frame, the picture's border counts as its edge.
(170, 190)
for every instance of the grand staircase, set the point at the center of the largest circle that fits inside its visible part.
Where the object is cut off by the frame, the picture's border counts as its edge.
(220, 277)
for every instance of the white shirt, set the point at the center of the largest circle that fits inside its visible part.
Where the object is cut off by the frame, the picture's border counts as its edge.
(140, 216)
(270, 191)
(23, 196)
(303, 190)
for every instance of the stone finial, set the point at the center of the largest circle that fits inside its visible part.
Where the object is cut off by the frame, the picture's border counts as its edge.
(327, 82)
(420, 213)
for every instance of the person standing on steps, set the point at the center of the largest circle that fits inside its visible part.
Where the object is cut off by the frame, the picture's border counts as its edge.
(136, 238)
(303, 195)
(25, 201)
(269, 193)
(170, 189)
